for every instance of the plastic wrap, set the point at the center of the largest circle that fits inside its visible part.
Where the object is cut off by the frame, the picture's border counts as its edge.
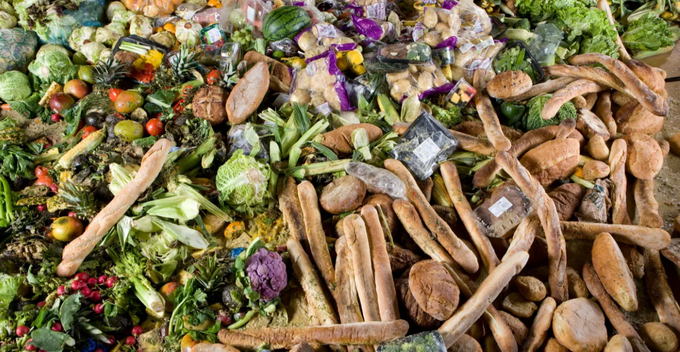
(287, 46)
(424, 145)
(237, 14)
(503, 211)
(475, 54)
(544, 45)
(230, 55)
(246, 137)
(378, 180)
(461, 94)
(152, 8)
(441, 24)
(409, 53)
(322, 82)
(475, 23)
(596, 203)
(187, 10)
(527, 63)
(319, 38)
(207, 16)
(373, 65)
(368, 2)
(421, 80)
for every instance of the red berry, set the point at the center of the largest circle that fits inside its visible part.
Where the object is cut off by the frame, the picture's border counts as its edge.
(102, 279)
(224, 319)
(137, 330)
(99, 308)
(76, 285)
(91, 282)
(56, 117)
(61, 290)
(111, 281)
(40, 304)
(95, 296)
(130, 341)
(42, 207)
(47, 145)
(71, 214)
(82, 276)
(57, 327)
(22, 330)
(30, 347)
(86, 291)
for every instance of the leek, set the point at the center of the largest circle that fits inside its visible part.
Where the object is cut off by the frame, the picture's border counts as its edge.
(326, 167)
(181, 208)
(128, 265)
(184, 189)
(311, 133)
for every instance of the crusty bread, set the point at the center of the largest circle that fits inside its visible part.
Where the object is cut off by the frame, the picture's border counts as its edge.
(248, 93)
(613, 271)
(508, 84)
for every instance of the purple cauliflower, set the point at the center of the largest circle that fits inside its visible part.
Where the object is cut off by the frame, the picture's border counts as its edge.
(267, 274)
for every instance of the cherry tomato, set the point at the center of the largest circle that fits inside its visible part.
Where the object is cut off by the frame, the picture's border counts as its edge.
(154, 127)
(130, 341)
(87, 130)
(41, 171)
(113, 93)
(213, 77)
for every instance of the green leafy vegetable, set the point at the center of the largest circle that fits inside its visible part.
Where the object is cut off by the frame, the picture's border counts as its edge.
(448, 117)
(68, 310)
(648, 33)
(533, 119)
(51, 341)
(514, 59)
(131, 266)
(9, 286)
(14, 85)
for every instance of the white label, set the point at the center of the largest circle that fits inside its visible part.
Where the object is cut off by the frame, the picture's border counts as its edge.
(214, 35)
(500, 207)
(426, 150)
(250, 14)
(376, 11)
(324, 109)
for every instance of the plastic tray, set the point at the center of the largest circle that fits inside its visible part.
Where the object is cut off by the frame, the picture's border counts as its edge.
(540, 75)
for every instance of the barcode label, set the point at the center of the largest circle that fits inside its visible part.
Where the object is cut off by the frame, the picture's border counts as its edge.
(500, 207)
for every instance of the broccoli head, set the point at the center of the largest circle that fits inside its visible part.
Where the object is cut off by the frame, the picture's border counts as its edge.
(267, 274)
(533, 119)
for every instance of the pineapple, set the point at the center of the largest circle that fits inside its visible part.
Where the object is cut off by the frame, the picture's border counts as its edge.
(108, 74)
(80, 199)
(183, 63)
(11, 134)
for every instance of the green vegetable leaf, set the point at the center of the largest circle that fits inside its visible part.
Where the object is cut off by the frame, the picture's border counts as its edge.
(68, 310)
(159, 101)
(302, 121)
(9, 286)
(145, 142)
(51, 341)
(647, 33)
(327, 152)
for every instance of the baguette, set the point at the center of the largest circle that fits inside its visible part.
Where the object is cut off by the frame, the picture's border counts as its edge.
(603, 110)
(613, 271)
(547, 214)
(631, 234)
(345, 289)
(659, 291)
(76, 251)
(617, 165)
(541, 326)
(548, 86)
(572, 90)
(465, 141)
(492, 126)
(289, 203)
(591, 99)
(524, 235)
(359, 247)
(646, 206)
(487, 292)
(672, 251)
(302, 347)
(384, 283)
(448, 239)
(315, 233)
(309, 280)
(611, 310)
(467, 215)
(337, 334)
(634, 259)
(476, 129)
(409, 218)
(595, 74)
(644, 95)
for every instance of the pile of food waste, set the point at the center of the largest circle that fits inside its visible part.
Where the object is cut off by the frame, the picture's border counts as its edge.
(308, 175)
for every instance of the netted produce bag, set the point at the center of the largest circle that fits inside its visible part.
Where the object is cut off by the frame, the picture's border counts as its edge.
(17, 49)
(322, 84)
(420, 80)
(152, 8)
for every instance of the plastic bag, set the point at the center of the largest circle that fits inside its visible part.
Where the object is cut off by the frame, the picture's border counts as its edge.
(378, 180)
(474, 22)
(410, 53)
(375, 66)
(242, 13)
(152, 8)
(441, 25)
(319, 38)
(366, 86)
(503, 211)
(374, 30)
(473, 55)
(424, 145)
(421, 80)
(246, 137)
(207, 16)
(322, 82)
(544, 45)
(17, 49)
(596, 203)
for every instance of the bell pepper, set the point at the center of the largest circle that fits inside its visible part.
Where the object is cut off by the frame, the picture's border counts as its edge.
(512, 111)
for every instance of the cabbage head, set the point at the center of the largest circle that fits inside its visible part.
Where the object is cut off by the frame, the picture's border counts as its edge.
(81, 36)
(7, 20)
(14, 85)
(52, 65)
(141, 26)
(242, 183)
(535, 107)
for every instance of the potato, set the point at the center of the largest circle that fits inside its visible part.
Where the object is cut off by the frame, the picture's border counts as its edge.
(441, 27)
(430, 17)
(674, 142)
(645, 157)
(301, 96)
(618, 343)
(385, 203)
(594, 169)
(434, 289)
(658, 337)
(447, 33)
(578, 324)
(332, 98)
(316, 99)
(597, 148)
(428, 68)
(343, 194)
(432, 38)
(518, 306)
(530, 288)
(425, 81)
(397, 76)
(519, 330)
(307, 40)
(444, 17)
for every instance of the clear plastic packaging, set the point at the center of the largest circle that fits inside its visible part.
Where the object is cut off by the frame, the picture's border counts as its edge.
(319, 38)
(528, 64)
(213, 36)
(461, 94)
(322, 82)
(476, 54)
(441, 25)
(475, 23)
(374, 30)
(424, 145)
(152, 8)
(503, 211)
(544, 45)
(246, 137)
(428, 341)
(367, 85)
(409, 53)
(378, 180)
(421, 80)
(286, 45)
(207, 16)
(187, 10)
(237, 14)
(596, 203)
(230, 55)
(373, 65)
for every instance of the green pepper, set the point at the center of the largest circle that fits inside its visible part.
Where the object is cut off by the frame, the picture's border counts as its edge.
(278, 54)
(512, 112)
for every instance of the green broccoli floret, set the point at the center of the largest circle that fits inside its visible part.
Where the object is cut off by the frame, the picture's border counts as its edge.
(448, 117)
(533, 119)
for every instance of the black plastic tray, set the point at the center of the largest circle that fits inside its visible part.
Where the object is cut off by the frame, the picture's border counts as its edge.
(534, 64)
(135, 39)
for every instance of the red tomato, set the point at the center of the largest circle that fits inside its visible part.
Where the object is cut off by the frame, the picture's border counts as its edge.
(44, 181)
(213, 77)
(113, 93)
(87, 130)
(154, 127)
(41, 171)
(186, 89)
(178, 108)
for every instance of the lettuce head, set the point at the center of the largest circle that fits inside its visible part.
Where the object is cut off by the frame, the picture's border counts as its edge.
(14, 85)
(53, 65)
(242, 183)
